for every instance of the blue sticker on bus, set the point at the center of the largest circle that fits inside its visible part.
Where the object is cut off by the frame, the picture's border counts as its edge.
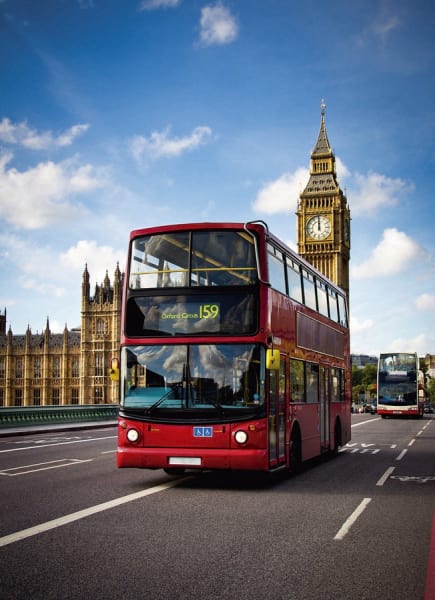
(203, 432)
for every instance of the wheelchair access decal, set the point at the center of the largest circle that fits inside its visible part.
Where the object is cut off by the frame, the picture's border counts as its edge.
(203, 432)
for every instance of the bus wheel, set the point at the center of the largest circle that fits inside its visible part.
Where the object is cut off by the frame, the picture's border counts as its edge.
(174, 471)
(295, 451)
(337, 437)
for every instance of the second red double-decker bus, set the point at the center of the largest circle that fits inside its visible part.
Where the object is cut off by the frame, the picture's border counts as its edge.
(234, 352)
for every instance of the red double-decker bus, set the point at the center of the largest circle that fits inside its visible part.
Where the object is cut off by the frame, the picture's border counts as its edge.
(234, 352)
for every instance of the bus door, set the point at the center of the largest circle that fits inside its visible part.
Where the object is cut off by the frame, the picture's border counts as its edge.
(324, 393)
(277, 414)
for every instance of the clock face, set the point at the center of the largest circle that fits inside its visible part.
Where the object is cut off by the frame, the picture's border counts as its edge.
(318, 227)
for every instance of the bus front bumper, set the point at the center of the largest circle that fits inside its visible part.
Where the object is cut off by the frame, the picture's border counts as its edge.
(163, 458)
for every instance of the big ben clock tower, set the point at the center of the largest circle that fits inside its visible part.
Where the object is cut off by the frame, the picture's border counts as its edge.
(323, 216)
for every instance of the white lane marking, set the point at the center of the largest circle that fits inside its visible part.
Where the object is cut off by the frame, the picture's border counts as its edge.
(402, 454)
(385, 476)
(364, 422)
(108, 437)
(81, 514)
(344, 530)
(53, 464)
(411, 443)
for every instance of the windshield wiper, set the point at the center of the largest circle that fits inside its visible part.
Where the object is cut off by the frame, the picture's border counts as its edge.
(159, 401)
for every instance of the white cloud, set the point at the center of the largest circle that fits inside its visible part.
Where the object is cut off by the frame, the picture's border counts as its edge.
(38, 197)
(36, 267)
(425, 302)
(99, 259)
(391, 256)
(420, 344)
(156, 4)
(378, 31)
(218, 25)
(342, 170)
(373, 191)
(366, 194)
(21, 134)
(160, 145)
(282, 194)
(358, 326)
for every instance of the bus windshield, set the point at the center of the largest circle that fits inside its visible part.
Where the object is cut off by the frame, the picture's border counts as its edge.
(397, 385)
(193, 380)
(192, 258)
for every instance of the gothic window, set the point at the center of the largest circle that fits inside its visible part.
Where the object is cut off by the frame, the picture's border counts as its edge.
(98, 395)
(2, 397)
(75, 367)
(99, 364)
(74, 395)
(101, 326)
(19, 368)
(37, 397)
(56, 367)
(37, 368)
(18, 399)
(2, 368)
(55, 396)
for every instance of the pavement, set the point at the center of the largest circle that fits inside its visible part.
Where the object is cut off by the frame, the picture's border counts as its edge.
(32, 429)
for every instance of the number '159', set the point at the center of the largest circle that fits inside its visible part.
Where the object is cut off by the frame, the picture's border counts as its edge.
(208, 311)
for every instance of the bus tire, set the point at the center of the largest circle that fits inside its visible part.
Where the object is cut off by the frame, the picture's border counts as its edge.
(337, 437)
(295, 450)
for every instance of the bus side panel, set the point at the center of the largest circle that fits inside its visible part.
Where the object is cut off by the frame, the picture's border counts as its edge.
(307, 416)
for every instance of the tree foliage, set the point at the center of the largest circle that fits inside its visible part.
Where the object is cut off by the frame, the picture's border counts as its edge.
(363, 380)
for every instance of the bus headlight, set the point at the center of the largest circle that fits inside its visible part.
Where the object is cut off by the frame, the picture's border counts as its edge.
(241, 437)
(132, 435)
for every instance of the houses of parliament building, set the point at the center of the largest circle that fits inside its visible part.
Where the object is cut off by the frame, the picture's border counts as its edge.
(73, 367)
(70, 367)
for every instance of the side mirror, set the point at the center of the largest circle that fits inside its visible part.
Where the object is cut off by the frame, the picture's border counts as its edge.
(272, 359)
(114, 369)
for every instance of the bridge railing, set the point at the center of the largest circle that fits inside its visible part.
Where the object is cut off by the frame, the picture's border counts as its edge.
(43, 415)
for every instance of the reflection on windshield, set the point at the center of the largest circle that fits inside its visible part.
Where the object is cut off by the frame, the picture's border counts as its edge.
(216, 377)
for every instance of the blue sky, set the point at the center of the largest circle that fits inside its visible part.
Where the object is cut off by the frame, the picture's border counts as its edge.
(121, 114)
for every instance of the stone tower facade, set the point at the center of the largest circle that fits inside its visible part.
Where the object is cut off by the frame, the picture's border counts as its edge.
(323, 215)
(65, 368)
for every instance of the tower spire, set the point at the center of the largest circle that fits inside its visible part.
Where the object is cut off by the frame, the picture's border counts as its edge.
(323, 214)
(322, 147)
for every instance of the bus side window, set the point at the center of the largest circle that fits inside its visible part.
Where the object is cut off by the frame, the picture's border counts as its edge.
(322, 298)
(312, 380)
(333, 306)
(276, 269)
(309, 290)
(297, 381)
(337, 385)
(294, 281)
(342, 310)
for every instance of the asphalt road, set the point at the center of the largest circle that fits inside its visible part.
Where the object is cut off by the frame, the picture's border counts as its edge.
(357, 526)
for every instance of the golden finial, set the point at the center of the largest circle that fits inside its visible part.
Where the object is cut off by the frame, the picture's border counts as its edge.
(322, 107)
